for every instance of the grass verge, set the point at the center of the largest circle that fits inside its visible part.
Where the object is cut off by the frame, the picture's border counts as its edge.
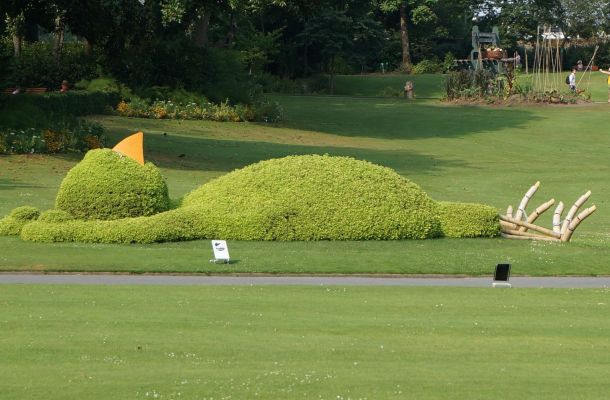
(96, 342)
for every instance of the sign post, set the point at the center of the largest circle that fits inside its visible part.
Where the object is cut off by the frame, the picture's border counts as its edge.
(221, 252)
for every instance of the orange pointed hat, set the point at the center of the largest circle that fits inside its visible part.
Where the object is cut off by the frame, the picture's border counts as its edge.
(132, 147)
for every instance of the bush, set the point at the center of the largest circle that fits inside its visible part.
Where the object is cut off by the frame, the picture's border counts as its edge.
(292, 198)
(317, 198)
(170, 226)
(36, 66)
(263, 111)
(427, 67)
(55, 216)
(62, 136)
(468, 220)
(76, 103)
(13, 223)
(106, 185)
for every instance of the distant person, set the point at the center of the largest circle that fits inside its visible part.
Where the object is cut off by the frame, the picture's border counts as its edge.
(607, 72)
(572, 80)
(64, 86)
(579, 65)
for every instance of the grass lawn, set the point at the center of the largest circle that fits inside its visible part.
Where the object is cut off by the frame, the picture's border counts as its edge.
(431, 86)
(118, 342)
(489, 155)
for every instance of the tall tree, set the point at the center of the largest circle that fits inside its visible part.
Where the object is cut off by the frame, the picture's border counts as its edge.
(330, 32)
(518, 19)
(586, 19)
(412, 12)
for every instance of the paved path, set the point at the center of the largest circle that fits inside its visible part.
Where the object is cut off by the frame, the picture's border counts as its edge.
(107, 279)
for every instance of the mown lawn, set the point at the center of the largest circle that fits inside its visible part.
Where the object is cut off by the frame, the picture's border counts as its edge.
(431, 86)
(118, 342)
(488, 155)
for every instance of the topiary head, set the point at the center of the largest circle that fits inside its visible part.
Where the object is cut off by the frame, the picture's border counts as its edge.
(106, 185)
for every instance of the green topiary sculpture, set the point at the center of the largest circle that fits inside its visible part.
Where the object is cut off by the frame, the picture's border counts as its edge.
(106, 186)
(317, 198)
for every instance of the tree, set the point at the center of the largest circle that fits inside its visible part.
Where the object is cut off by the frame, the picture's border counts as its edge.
(585, 19)
(412, 12)
(329, 32)
(518, 19)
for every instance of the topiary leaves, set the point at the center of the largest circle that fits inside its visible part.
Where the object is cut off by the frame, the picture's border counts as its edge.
(106, 186)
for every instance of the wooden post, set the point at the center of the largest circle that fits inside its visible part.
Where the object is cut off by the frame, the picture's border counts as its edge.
(409, 89)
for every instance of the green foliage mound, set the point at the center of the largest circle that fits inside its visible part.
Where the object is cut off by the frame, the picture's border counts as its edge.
(292, 198)
(106, 186)
(54, 216)
(317, 198)
(14, 222)
(468, 220)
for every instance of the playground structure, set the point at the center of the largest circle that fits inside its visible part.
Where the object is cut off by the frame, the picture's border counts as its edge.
(548, 62)
(520, 225)
(486, 53)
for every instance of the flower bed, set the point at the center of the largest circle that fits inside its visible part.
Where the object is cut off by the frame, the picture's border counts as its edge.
(81, 137)
(224, 112)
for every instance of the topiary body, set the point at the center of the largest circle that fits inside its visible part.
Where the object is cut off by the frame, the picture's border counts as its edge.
(316, 198)
(292, 198)
(106, 186)
(468, 220)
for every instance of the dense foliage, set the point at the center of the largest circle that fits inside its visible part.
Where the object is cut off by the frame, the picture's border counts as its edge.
(48, 123)
(106, 185)
(293, 198)
(463, 220)
(317, 198)
(225, 48)
(13, 223)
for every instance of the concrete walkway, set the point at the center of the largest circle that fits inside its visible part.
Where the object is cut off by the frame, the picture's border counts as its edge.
(108, 279)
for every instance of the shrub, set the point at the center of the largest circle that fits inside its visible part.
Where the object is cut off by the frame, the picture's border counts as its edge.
(76, 103)
(54, 216)
(263, 111)
(37, 67)
(62, 136)
(316, 198)
(106, 185)
(175, 225)
(14, 222)
(468, 220)
(293, 198)
(427, 67)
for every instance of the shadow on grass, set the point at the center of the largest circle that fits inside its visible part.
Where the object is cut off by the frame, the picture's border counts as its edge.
(396, 119)
(197, 153)
(7, 184)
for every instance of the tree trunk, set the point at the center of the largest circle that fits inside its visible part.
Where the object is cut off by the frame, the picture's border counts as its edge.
(232, 31)
(331, 78)
(200, 37)
(88, 46)
(305, 61)
(17, 44)
(404, 37)
(58, 38)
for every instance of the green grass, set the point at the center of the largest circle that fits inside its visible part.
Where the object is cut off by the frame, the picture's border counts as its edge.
(431, 86)
(488, 155)
(425, 86)
(113, 342)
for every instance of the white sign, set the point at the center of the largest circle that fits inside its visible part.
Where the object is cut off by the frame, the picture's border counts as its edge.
(221, 251)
